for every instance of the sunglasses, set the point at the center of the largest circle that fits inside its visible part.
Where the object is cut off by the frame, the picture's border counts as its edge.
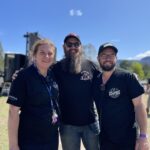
(70, 45)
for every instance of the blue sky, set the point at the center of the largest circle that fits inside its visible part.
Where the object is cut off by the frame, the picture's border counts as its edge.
(126, 23)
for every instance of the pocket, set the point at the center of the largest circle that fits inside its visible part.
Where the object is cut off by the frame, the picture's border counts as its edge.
(95, 127)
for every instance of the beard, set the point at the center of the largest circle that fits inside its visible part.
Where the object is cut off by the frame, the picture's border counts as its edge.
(107, 67)
(72, 63)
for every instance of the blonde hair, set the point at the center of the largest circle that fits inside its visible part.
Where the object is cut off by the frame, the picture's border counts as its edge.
(36, 45)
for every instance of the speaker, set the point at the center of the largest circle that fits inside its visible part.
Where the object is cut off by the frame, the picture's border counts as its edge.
(148, 80)
(12, 63)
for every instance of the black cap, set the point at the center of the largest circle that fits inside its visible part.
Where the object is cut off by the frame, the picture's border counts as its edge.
(107, 45)
(72, 35)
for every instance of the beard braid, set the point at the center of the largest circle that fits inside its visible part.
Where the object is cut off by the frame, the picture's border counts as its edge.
(72, 64)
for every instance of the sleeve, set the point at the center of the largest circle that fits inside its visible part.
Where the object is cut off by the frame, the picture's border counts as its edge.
(134, 87)
(96, 70)
(97, 94)
(17, 91)
(56, 69)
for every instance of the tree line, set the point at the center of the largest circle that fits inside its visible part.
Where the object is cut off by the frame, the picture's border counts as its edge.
(142, 70)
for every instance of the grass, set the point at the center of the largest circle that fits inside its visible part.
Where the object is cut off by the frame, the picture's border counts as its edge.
(4, 117)
(3, 124)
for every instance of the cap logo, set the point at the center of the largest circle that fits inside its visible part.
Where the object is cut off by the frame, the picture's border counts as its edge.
(108, 44)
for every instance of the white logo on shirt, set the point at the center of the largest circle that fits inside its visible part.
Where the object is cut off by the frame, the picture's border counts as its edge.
(85, 75)
(114, 93)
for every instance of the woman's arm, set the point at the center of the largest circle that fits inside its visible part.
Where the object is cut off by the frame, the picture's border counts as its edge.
(13, 123)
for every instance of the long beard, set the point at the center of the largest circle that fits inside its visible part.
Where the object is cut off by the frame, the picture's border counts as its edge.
(72, 64)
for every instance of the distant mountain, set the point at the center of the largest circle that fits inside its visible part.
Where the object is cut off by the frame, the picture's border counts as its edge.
(145, 60)
(120, 60)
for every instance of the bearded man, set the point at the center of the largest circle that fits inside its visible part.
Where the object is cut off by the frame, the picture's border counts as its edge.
(74, 75)
(118, 96)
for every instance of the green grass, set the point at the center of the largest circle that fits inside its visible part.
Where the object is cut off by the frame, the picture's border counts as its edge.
(3, 123)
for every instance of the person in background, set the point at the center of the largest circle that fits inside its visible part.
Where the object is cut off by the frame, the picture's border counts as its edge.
(148, 99)
(74, 75)
(33, 103)
(118, 96)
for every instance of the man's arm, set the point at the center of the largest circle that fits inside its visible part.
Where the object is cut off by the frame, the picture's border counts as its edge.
(15, 74)
(141, 118)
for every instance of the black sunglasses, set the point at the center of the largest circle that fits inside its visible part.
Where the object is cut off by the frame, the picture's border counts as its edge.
(76, 44)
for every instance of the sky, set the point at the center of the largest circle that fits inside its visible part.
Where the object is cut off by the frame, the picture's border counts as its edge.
(125, 23)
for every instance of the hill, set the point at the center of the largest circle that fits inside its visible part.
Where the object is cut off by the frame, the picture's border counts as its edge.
(145, 60)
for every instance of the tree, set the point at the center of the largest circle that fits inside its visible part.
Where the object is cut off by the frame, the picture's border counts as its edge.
(125, 64)
(146, 69)
(137, 68)
(90, 52)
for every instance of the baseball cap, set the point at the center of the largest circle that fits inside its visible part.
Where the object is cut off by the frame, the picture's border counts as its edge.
(72, 35)
(107, 45)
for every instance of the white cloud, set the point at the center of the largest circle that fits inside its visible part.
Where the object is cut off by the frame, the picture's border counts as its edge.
(79, 13)
(71, 12)
(74, 12)
(140, 56)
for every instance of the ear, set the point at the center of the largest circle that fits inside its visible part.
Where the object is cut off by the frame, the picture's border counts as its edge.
(63, 47)
(33, 59)
(116, 57)
(98, 58)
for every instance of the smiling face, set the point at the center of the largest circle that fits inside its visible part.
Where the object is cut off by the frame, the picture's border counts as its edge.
(73, 55)
(44, 55)
(107, 59)
(72, 47)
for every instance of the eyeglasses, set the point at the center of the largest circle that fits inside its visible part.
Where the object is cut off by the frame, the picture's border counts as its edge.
(70, 45)
(105, 56)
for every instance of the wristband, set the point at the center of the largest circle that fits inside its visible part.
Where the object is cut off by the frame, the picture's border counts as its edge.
(143, 136)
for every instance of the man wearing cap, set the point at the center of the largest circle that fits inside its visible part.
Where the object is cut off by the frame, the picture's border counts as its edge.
(74, 75)
(118, 96)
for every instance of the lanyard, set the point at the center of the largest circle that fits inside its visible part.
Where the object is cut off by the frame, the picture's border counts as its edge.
(48, 87)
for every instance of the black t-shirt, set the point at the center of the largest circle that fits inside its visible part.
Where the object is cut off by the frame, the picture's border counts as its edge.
(28, 91)
(114, 104)
(76, 103)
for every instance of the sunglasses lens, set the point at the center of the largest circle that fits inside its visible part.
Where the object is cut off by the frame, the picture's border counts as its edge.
(76, 45)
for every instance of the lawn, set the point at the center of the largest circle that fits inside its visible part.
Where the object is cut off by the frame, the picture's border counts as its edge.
(3, 123)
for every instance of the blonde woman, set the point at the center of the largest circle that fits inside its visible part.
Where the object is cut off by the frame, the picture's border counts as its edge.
(33, 111)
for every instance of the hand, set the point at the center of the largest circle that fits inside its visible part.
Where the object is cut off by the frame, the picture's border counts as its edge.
(14, 76)
(15, 147)
(142, 144)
